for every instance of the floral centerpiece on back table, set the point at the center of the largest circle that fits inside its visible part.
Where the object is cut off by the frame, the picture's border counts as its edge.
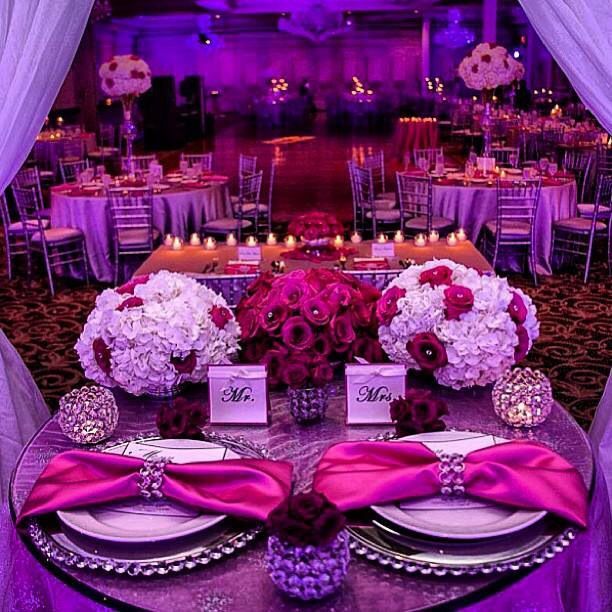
(463, 327)
(302, 323)
(156, 332)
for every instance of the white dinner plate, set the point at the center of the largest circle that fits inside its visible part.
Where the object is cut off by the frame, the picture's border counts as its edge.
(512, 171)
(479, 180)
(135, 521)
(459, 518)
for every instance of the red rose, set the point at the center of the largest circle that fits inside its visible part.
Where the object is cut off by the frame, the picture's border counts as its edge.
(274, 361)
(342, 329)
(112, 66)
(457, 300)
(440, 275)
(361, 313)
(255, 350)
(297, 334)
(338, 295)
(247, 319)
(273, 316)
(486, 58)
(322, 373)
(517, 309)
(386, 308)
(295, 372)
(417, 412)
(220, 316)
(369, 349)
(322, 344)
(427, 351)
(316, 311)
(522, 348)
(133, 283)
(184, 365)
(110, 83)
(181, 419)
(131, 302)
(102, 355)
(475, 68)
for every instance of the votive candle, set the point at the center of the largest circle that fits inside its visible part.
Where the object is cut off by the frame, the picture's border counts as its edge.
(194, 240)
(177, 244)
(251, 241)
(451, 239)
(210, 244)
(338, 241)
(230, 240)
(420, 240)
(271, 240)
(461, 235)
(381, 239)
(290, 241)
(434, 236)
(356, 238)
(168, 240)
(399, 236)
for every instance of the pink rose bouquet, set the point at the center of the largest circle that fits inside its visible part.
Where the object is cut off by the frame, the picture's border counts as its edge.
(315, 227)
(463, 327)
(155, 332)
(301, 323)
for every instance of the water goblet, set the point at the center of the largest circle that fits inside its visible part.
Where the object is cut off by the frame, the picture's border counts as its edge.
(543, 164)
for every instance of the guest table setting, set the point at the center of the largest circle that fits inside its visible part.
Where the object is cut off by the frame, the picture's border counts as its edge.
(51, 146)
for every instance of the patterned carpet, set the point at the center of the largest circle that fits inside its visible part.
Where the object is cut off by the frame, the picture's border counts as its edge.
(574, 349)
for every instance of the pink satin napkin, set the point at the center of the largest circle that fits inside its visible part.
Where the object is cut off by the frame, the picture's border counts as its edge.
(245, 488)
(522, 474)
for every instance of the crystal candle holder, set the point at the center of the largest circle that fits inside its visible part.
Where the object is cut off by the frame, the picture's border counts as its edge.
(88, 415)
(523, 397)
(308, 404)
(308, 572)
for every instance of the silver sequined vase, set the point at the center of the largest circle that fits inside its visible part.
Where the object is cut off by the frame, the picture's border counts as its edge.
(88, 415)
(308, 405)
(308, 572)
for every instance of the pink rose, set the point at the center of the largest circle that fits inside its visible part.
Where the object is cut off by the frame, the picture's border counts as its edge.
(133, 283)
(297, 334)
(342, 329)
(295, 372)
(522, 348)
(386, 308)
(440, 275)
(316, 311)
(184, 365)
(220, 316)
(517, 309)
(131, 302)
(272, 316)
(427, 351)
(457, 300)
(102, 355)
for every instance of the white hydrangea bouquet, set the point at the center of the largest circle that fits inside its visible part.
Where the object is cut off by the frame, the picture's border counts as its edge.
(156, 332)
(489, 66)
(464, 327)
(125, 75)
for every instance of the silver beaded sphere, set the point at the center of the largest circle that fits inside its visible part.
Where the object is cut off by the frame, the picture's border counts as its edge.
(88, 415)
(523, 397)
(310, 404)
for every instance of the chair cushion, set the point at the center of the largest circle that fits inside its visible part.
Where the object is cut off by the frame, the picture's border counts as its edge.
(17, 227)
(509, 228)
(385, 215)
(249, 207)
(587, 210)
(420, 223)
(59, 234)
(225, 224)
(135, 237)
(580, 225)
(385, 203)
(46, 174)
(386, 195)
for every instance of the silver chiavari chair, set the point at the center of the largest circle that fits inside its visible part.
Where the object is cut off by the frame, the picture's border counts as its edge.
(70, 170)
(108, 144)
(247, 164)
(579, 163)
(575, 236)
(15, 244)
(428, 155)
(203, 160)
(29, 176)
(551, 139)
(73, 149)
(376, 162)
(506, 156)
(139, 163)
(131, 212)
(416, 205)
(514, 225)
(59, 246)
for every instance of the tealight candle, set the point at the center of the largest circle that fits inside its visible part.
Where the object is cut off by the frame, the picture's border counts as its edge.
(502, 174)
(381, 239)
(461, 235)
(251, 241)
(168, 240)
(399, 236)
(338, 241)
(356, 238)
(420, 240)
(230, 240)
(451, 239)
(434, 236)
(290, 241)
(194, 240)
(271, 239)
(210, 244)
(177, 244)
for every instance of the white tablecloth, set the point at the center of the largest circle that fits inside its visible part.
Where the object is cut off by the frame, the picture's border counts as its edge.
(471, 207)
(177, 212)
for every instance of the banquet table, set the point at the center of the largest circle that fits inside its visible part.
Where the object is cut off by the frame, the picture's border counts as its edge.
(472, 205)
(49, 150)
(414, 133)
(178, 210)
(576, 578)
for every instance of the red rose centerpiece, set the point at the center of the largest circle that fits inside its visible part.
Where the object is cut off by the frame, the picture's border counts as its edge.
(316, 228)
(302, 323)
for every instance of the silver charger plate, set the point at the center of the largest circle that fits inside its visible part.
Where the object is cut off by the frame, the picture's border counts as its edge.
(63, 546)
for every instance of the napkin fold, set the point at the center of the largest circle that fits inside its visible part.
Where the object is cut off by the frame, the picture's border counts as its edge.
(522, 474)
(244, 488)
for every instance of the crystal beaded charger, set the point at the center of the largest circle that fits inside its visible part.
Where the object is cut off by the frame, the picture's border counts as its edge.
(66, 547)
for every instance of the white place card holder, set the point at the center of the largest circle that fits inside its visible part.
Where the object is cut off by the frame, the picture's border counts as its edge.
(238, 394)
(383, 249)
(249, 253)
(369, 390)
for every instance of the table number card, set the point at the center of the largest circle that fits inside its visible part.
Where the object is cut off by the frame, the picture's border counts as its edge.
(369, 390)
(249, 253)
(383, 249)
(238, 394)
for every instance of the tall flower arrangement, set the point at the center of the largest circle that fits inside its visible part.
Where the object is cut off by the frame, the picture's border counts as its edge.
(156, 332)
(488, 66)
(463, 327)
(303, 322)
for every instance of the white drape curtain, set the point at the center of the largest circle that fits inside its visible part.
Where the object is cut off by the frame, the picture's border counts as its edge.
(38, 40)
(578, 34)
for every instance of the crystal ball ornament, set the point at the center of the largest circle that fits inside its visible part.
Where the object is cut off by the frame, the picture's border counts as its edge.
(308, 572)
(523, 397)
(89, 414)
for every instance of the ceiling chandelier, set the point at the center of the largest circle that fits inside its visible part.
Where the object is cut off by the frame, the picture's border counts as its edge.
(316, 23)
(101, 9)
(454, 35)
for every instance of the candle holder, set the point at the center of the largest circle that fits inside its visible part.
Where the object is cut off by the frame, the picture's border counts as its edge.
(522, 397)
(168, 240)
(338, 241)
(399, 237)
(420, 240)
(177, 244)
(461, 235)
(251, 241)
(434, 236)
(231, 240)
(195, 240)
(290, 241)
(356, 238)
(382, 239)
(451, 239)
(271, 240)
(210, 244)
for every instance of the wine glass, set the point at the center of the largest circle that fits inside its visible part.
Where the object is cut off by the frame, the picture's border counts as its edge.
(543, 164)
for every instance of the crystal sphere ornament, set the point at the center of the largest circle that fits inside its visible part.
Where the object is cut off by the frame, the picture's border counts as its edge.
(309, 404)
(89, 414)
(522, 397)
(308, 572)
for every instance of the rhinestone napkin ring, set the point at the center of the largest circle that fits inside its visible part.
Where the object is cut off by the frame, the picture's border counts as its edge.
(451, 473)
(151, 477)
